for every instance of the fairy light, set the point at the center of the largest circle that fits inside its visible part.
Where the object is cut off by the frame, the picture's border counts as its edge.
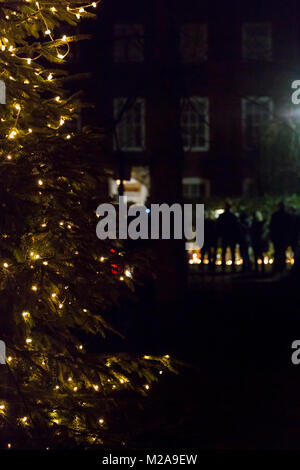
(101, 421)
(40, 182)
(96, 388)
(25, 314)
(5, 265)
(34, 288)
(28, 340)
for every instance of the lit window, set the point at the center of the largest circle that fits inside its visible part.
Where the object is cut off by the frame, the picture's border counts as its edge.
(256, 113)
(195, 188)
(193, 43)
(130, 124)
(257, 41)
(128, 43)
(195, 124)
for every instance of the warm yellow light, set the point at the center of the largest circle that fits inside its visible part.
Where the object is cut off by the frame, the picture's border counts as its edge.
(57, 98)
(147, 387)
(25, 314)
(5, 265)
(28, 340)
(34, 288)
(96, 387)
(101, 421)
(29, 61)
(17, 106)
(40, 182)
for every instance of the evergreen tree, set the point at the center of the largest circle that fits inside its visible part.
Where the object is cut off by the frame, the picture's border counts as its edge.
(58, 282)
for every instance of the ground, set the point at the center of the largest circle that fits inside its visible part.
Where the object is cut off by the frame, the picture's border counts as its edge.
(240, 390)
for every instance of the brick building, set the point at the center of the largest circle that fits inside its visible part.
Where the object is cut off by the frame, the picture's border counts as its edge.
(235, 62)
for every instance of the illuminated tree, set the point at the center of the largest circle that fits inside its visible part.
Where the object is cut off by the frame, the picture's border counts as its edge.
(58, 282)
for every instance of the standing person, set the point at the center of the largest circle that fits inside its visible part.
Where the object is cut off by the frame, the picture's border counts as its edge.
(258, 239)
(210, 240)
(244, 239)
(280, 232)
(229, 233)
(295, 231)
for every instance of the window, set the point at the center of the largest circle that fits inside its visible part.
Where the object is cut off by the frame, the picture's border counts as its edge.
(193, 43)
(257, 41)
(195, 124)
(195, 188)
(256, 112)
(130, 125)
(128, 43)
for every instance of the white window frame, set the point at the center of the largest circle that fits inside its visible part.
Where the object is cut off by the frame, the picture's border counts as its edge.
(141, 101)
(129, 33)
(197, 181)
(202, 57)
(194, 101)
(269, 39)
(261, 101)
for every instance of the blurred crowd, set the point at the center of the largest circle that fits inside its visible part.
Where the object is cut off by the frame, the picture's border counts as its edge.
(252, 234)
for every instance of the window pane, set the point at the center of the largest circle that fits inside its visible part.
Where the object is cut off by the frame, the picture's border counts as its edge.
(194, 124)
(128, 43)
(131, 128)
(257, 41)
(193, 42)
(257, 112)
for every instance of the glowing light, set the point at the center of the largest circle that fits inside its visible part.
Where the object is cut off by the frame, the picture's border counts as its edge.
(5, 265)
(28, 340)
(25, 314)
(34, 288)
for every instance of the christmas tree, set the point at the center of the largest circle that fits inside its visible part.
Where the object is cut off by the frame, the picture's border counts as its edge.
(58, 282)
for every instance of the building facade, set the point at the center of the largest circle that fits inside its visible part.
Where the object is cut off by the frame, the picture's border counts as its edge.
(235, 62)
